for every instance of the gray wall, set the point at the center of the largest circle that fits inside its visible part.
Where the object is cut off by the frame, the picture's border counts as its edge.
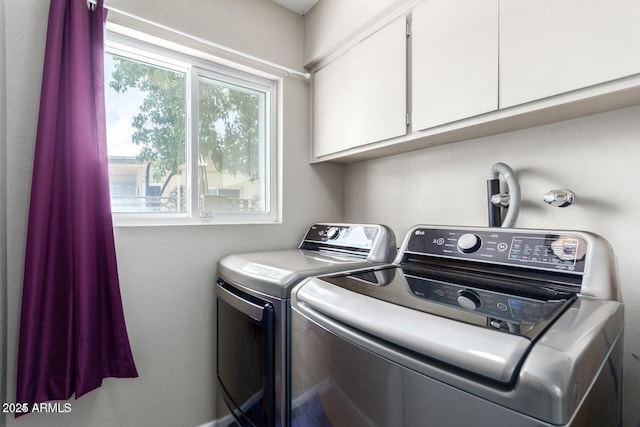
(166, 273)
(3, 215)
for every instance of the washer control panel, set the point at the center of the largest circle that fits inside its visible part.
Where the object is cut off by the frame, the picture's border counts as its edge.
(541, 250)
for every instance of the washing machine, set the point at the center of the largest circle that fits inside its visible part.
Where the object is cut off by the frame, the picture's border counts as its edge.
(471, 327)
(253, 315)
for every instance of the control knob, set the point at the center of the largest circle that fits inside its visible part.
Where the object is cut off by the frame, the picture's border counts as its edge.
(333, 232)
(469, 299)
(469, 243)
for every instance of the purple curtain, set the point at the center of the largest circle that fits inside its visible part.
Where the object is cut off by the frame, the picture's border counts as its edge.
(72, 330)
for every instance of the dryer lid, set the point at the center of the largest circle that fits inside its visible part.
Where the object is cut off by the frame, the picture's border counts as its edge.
(275, 272)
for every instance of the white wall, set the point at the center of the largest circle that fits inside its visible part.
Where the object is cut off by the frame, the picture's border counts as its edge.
(598, 157)
(166, 274)
(257, 27)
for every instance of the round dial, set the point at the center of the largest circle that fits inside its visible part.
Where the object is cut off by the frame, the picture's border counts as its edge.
(333, 232)
(468, 243)
(469, 299)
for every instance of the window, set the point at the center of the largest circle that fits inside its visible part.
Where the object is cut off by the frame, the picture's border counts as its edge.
(188, 140)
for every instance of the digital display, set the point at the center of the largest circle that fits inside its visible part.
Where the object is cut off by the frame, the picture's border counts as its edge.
(562, 251)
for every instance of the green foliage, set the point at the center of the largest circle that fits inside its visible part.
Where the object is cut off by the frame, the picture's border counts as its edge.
(229, 128)
(160, 123)
(228, 119)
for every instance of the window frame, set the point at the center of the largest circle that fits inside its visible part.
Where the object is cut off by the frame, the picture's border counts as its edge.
(196, 64)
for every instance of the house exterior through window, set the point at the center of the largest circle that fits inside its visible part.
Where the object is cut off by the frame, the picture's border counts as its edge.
(188, 140)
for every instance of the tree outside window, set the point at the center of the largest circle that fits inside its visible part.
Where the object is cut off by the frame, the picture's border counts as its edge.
(150, 135)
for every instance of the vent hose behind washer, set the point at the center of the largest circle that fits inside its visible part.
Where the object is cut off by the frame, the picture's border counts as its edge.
(513, 203)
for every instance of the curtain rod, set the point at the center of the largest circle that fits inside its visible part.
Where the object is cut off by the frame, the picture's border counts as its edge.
(91, 4)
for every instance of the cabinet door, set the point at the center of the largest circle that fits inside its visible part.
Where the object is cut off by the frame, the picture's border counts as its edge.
(331, 108)
(549, 47)
(360, 98)
(455, 61)
(378, 84)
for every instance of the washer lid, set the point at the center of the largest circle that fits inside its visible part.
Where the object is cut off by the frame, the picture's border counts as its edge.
(478, 350)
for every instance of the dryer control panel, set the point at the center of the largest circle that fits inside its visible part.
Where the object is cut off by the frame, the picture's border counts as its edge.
(375, 242)
(345, 235)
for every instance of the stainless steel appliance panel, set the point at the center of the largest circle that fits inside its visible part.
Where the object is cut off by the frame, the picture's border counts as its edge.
(339, 383)
(573, 379)
(250, 363)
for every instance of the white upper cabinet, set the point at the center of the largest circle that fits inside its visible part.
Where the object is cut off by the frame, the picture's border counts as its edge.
(550, 47)
(455, 61)
(477, 68)
(331, 108)
(361, 97)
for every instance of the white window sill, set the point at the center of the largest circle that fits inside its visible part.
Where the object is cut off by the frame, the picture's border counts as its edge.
(164, 220)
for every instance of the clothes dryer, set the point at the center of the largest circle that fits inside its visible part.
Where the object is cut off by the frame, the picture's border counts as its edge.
(253, 314)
